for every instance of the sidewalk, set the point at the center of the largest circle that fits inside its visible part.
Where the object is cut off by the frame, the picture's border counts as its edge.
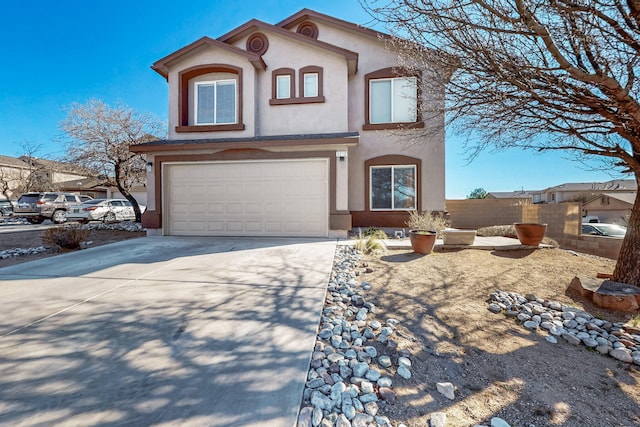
(485, 243)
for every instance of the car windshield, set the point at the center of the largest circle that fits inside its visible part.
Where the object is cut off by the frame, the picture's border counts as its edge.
(93, 202)
(611, 229)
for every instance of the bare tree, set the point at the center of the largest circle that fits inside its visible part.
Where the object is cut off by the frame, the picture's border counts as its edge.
(35, 176)
(538, 74)
(100, 137)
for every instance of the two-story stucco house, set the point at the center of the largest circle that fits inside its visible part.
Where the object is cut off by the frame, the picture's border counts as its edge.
(292, 129)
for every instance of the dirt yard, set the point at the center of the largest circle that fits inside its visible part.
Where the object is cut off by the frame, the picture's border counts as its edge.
(32, 239)
(499, 368)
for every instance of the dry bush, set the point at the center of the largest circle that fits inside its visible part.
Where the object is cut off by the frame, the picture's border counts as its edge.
(427, 220)
(67, 237)
(498, 230)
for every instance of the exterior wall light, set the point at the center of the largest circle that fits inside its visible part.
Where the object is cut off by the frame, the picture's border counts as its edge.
(341, 155)
(149, 166)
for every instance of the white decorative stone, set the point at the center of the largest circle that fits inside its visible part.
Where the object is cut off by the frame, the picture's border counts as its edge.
(447, 390)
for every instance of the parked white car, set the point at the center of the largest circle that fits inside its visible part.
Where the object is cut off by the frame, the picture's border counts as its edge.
(106, 210)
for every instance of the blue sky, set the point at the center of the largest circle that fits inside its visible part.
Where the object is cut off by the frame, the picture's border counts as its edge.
(55, 53)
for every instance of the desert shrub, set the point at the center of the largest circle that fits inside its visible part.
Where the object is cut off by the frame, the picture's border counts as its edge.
(369, 244)
(498, 230)
(375, 232)
(65, 237)
(427, 220)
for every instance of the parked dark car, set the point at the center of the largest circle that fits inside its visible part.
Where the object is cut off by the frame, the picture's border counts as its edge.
(36, 207)
(6, 208)
(600, 229)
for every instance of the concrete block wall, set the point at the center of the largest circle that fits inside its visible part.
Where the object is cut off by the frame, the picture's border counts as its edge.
(563, 221)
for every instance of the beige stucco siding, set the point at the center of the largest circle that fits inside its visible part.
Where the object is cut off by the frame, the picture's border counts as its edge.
(301, 118)
(427, 145)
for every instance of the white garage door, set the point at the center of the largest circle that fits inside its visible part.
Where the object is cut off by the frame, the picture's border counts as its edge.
(251, 198)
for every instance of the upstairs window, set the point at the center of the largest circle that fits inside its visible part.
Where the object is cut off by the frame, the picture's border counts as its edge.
(391, 100)
(210, 99)
(310, 85)
(283, 86)
(215, 102)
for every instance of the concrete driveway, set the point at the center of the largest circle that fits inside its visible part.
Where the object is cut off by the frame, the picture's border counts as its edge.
(162, 331)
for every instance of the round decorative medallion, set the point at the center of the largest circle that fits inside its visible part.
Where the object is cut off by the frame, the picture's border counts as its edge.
(257, 43)
(308, 29)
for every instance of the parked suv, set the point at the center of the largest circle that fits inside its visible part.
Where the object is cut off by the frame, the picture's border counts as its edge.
(36, 207)
(6, 208)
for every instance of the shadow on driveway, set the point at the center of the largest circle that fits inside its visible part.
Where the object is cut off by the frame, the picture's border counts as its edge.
(171, 331)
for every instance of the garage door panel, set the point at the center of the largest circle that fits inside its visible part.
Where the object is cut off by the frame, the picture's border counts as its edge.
(254, 198)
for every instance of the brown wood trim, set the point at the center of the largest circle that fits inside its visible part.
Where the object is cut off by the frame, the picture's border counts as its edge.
(183, 96)
(194, 145)
(309, 29)
(244, 155)
(289, 101)
(387, 73)
(257, 43)
(310, 70)
(383, 126)
(152, 219)
(391, 160)
(379, 219)
(274, 85)
(209, 128)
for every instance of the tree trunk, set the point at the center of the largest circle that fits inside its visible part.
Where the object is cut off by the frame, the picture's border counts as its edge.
(628, 266)
(127, 195)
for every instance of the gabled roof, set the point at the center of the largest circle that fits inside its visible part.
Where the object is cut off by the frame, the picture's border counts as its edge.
(255, 24)
(518, 194)
(12, 161)
(613, 185)
(161, 66)
(623, 197)
(306, 14)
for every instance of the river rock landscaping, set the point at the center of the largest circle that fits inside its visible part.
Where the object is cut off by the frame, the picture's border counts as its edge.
(575, 326)
(355, 359)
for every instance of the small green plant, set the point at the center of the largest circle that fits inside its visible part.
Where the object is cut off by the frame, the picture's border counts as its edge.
(635, 322)
(67, 237)
(375, 232)
(369, 244)
(427, 220)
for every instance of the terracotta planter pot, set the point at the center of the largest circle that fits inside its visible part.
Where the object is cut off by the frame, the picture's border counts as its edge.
(422, 241)
(530, 233)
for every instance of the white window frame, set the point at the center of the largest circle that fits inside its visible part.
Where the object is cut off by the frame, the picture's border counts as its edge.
(392, 167)
(317, 84)
(215, 83)
(393, 98)
(283, 81)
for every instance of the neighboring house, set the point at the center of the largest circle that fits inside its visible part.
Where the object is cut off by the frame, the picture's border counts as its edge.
(532, 196)
(293, 129)
(613, 208)
(12, 176)
(583, 191)
(21, 174)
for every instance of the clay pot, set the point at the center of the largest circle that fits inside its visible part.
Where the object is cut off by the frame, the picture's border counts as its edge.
(422, 241)
(530, 233)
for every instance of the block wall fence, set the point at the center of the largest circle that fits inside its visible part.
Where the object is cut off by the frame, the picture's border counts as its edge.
(563, 221)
